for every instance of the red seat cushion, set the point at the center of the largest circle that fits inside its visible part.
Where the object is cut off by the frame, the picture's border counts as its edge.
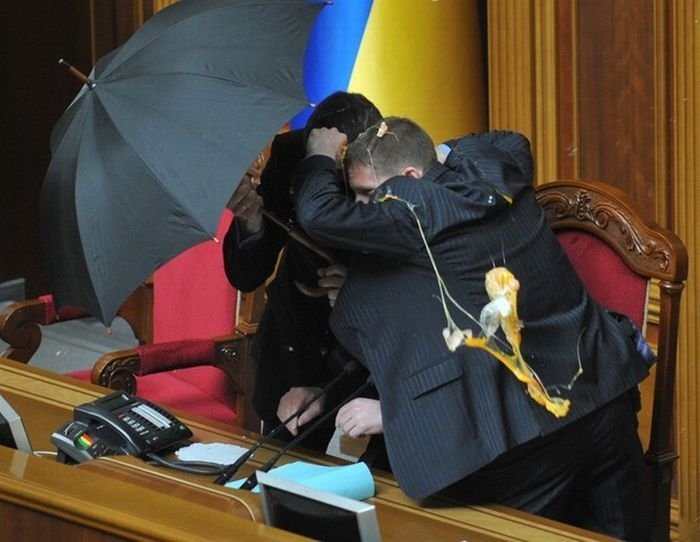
(608, 279)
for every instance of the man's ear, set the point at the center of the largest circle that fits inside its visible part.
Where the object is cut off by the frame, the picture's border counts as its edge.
(412, 171)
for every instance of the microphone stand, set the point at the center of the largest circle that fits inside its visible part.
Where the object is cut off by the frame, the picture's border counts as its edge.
(231, 469)
(252, 480)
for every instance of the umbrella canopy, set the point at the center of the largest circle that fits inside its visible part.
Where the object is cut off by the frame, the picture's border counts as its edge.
(146, 156)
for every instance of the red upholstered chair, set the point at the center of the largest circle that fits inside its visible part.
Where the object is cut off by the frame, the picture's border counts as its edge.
(190, 357)
(619, 255)
(195, 362)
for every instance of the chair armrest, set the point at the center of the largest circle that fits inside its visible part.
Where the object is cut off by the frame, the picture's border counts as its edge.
(19, 328)
(117, 370)
(230, 353)
(19, 325)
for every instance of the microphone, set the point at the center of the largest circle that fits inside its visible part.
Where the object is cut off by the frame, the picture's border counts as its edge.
(252, 480)
(349, 368)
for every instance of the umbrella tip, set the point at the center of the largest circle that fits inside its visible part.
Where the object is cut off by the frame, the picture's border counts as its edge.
(75, 72)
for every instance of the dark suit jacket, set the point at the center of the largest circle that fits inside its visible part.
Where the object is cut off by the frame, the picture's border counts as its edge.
(293, 342)
(446, 413)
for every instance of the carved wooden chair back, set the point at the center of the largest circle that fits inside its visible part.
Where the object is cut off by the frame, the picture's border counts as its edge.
(618, 255)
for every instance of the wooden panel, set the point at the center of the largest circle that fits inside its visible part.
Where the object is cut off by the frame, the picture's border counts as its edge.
(160, 4)
(523, 76)
(511, 66)
(616, 96)
(64, 500)
(566, 108)
(113, 22)
(684, 36)
(27, 524)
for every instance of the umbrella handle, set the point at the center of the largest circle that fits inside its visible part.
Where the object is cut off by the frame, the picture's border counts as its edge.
(301, 238)
(311, 291)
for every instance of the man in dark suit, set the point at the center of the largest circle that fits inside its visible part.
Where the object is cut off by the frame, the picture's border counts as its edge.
(293, 346)
(455, 418)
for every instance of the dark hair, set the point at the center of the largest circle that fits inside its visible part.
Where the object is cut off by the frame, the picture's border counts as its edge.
(349, 112)
(391, 145)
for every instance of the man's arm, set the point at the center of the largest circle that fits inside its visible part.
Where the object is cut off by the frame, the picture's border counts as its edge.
(325, 213)
(501, 159)
(249, 262)
(253, 243)
(388, 225)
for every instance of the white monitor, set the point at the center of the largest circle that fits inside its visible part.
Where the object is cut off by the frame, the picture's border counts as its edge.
(12, 433)
(315, 513)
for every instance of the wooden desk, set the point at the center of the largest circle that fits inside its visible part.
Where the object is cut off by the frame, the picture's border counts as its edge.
(125, 499)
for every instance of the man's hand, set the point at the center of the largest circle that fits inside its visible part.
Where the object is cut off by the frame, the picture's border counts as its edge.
(360, 417)
(332, 279)
(247, 205)
(327, 142)
(293, 400)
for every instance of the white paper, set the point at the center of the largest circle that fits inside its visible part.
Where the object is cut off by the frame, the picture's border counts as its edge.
(211, 452)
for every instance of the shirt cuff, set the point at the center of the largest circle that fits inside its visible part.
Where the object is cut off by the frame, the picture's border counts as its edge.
(442, 151)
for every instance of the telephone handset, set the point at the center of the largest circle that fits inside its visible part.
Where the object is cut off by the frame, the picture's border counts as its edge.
(117, 424)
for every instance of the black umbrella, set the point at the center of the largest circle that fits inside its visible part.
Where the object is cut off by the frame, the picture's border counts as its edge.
(146, 156)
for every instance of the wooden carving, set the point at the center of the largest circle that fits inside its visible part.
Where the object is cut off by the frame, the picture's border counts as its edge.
(569, 204)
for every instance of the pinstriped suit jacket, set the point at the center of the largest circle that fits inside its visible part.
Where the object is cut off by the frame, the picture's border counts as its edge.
(445, 413)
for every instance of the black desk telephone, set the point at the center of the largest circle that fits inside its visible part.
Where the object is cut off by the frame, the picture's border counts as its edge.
(117, 424)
